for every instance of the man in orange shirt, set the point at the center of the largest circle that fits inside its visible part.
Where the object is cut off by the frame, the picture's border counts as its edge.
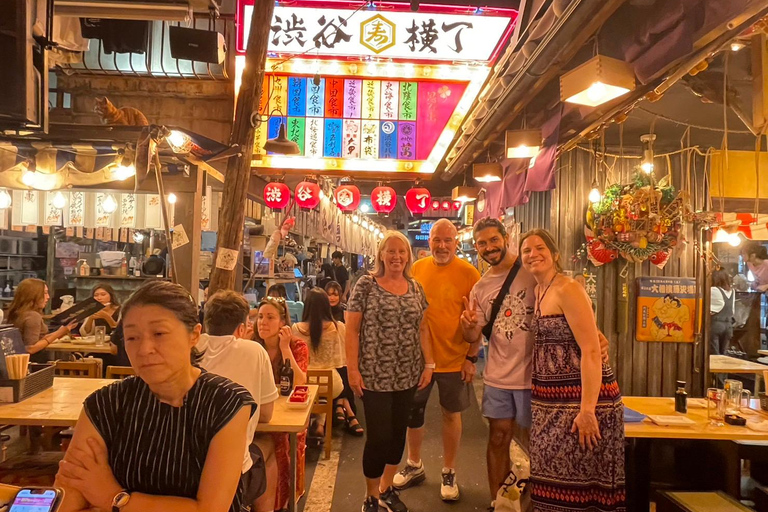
(446, 280)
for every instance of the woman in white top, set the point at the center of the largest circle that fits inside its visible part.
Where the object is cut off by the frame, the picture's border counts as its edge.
(325, 338)
(721, 306)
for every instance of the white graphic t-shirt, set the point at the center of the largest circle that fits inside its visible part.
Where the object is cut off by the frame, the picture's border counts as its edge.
(510, 349)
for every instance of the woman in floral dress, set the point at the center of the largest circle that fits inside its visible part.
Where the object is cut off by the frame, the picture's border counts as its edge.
(577, 431)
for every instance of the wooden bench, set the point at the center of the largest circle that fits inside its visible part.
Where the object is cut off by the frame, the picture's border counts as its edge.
(674, 501)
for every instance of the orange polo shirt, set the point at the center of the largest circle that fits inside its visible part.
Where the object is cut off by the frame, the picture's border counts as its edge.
(445, 286)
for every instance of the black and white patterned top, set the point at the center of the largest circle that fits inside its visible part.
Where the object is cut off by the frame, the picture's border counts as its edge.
(155, 448)
(390, 341)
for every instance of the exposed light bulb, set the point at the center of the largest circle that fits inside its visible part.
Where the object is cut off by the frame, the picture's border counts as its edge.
(109, 204)
(365, 208)
(734, 240)
(365, 224)
(177, 139)
(371, 228)
(138, 237)
(381, 236)
(597, 92)
(29, 178)
(594, 195)
(376, 231)
(123, 172)
(5, 199)
(647, 167)
(59, 201)
(171, 198)
(737, 45)
(721, 236)
(355, 218)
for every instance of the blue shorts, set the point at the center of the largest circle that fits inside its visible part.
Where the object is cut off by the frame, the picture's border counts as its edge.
(499, 404)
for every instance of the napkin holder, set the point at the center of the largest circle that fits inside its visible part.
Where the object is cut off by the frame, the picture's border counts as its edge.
(39, 378)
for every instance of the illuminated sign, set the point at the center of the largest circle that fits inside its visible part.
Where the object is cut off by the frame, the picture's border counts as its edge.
(471, 35)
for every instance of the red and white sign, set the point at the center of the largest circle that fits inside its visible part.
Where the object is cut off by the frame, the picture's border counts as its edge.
(392, 31)
(383, 199)
(418, 200)
(277, 195)
(307, 195)
(347, 198)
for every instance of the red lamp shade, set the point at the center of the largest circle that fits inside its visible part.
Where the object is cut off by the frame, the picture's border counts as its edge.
(435, 205)
(457, 205)
(277, 195)
(446, 205)
(418, 200)
(383, 200)
(347, 198)
(307, 195)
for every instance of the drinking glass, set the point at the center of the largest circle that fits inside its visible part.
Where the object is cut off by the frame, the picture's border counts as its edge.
(716, 406)
(734, 396)
(101, 335)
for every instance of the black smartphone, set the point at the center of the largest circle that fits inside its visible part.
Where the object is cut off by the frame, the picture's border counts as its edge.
(37, 499)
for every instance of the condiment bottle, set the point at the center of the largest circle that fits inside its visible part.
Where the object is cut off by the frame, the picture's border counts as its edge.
(124, 267)
(681, 398)
(286, 378)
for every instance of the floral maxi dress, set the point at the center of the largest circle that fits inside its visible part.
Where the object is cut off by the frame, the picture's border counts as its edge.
(564, 476)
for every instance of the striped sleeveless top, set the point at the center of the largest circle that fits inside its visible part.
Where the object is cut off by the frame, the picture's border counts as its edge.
(155, 448)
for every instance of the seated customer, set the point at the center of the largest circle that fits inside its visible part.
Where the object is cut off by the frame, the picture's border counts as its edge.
(296, 309)
(106, 317)
(170, 439)
(26, 314)
(225, 352)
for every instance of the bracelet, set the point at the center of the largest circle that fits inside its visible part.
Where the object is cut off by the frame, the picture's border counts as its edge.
(430, 366)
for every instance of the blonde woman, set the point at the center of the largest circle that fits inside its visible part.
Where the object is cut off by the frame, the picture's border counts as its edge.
(389, 357)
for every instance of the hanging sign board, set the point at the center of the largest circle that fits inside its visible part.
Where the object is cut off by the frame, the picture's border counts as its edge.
(448, 35)
(665, 309)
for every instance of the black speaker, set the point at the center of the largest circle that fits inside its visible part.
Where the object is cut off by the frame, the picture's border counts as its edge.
(197, 45)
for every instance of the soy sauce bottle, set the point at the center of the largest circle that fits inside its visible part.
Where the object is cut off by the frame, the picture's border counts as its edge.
(681, 398)
(286, 378)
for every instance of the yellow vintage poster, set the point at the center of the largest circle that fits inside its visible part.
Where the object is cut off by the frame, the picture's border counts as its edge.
(665, 309)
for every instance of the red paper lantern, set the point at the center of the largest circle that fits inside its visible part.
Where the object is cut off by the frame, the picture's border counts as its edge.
(436, 204)
(418, 200)
(457, 205)
(347, 198)
(307, 195)
(446, 205)
(383, 200)
(277, 195)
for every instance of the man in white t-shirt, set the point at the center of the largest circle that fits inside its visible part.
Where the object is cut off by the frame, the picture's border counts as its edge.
(245, 362)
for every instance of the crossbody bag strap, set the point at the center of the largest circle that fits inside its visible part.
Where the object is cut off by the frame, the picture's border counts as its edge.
(488, 328)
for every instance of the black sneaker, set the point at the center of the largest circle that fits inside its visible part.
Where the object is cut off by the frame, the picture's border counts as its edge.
(371, 504)
(390, 500)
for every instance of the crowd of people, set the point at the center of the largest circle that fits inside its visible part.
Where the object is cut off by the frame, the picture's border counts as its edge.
(182, 434)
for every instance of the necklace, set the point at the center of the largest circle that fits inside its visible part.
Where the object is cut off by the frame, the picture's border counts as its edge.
(541, 296)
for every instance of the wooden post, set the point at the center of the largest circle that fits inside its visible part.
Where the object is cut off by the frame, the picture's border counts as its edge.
(232, 214)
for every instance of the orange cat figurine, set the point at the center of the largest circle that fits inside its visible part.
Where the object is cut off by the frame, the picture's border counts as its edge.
(110, 114)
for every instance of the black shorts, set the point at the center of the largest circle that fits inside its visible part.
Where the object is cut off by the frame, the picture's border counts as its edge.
(255, 479)
(455, 396)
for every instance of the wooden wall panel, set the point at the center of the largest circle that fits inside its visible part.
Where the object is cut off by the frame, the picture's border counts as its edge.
(642, 368)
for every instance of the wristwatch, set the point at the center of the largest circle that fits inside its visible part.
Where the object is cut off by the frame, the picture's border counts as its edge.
(120, 500)
(471, 359)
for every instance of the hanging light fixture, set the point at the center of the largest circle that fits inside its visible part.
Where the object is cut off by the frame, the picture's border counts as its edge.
(647, 164)
(734, 240)
(522, 143)
(594, 195)
(109, 204)
(464, 193)
(282, 144)
(179, 141)
(172, 198)
(737, 46)
(5, 199)
(59, 201)
(487, 173)
(597, 81)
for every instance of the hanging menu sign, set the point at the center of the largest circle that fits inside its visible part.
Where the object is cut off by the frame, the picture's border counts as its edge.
(447, 36)
(128, 211)
(76, 209)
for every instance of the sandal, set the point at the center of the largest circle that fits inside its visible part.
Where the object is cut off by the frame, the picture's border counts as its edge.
(316, 430)
(356, 429)
(339, 417)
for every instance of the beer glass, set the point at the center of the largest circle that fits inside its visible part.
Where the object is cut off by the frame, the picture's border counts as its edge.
(101, 335)
(716, 406)
(734, 396)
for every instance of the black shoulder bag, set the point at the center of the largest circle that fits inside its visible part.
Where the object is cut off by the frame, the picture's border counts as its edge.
(488, 328)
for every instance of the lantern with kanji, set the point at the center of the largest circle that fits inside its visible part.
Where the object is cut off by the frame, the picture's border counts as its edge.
(307, 195)
(418, 200)
(347, 198)
(276, 195)
(383, 200)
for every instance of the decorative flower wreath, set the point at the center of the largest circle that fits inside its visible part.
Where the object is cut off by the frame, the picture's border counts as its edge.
(638, 221)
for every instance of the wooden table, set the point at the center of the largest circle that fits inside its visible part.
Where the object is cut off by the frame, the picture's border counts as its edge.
(292, 422)
(727, 364)
(641, 435)
(85, 348)
(58, 406)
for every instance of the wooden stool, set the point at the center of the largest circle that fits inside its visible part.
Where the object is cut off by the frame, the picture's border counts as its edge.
(673, 501)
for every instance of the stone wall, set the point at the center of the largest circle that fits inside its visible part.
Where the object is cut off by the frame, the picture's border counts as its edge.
(202, 106)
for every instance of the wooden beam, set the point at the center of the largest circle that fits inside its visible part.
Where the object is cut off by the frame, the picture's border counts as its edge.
(759, 77)
(232, 214)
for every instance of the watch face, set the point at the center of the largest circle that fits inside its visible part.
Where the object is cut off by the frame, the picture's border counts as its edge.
(121, 500)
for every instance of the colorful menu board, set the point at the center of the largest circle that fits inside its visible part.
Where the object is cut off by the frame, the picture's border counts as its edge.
(358, 118)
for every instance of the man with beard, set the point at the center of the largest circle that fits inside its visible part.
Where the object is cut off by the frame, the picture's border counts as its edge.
(501, 307)
(446, 280)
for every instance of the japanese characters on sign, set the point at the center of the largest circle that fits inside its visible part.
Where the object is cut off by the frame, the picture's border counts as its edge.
(400, 35)
(665, 309)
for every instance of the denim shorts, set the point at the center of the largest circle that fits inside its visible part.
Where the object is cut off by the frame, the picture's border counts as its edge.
(513, 404)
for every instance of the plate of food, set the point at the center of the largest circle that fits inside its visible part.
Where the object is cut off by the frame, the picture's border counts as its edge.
(299, 398)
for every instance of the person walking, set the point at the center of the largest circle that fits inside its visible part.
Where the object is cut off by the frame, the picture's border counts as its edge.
(389, 357)
(500, 307)
(577, 433)
(340, 274)
(446, 280)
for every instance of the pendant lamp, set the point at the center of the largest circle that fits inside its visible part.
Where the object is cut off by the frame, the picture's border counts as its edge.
(597, 81)
(282, 144)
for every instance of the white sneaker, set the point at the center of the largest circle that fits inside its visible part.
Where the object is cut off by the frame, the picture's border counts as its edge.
(449, 489)
(411, 474)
